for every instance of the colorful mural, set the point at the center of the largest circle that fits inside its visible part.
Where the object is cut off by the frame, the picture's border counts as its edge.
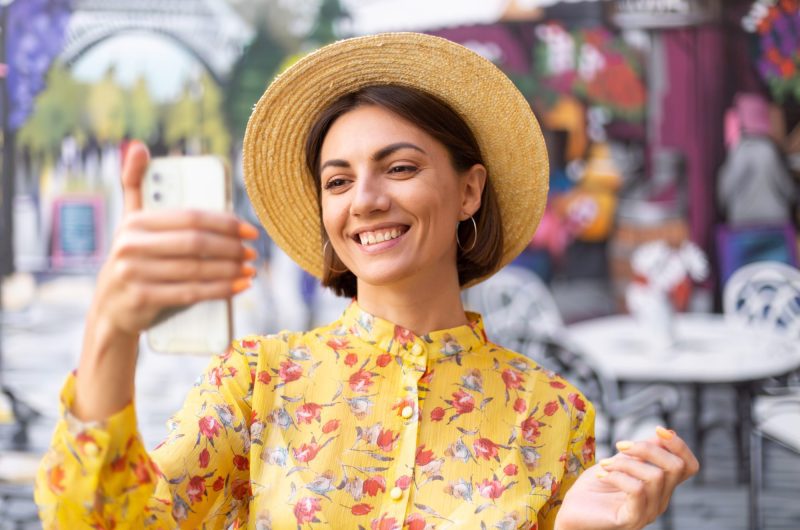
(778, 31)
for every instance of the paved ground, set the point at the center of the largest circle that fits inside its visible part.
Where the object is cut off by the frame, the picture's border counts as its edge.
(41, 344)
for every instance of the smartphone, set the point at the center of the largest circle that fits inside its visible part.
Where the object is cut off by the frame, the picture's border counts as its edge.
(197, 183)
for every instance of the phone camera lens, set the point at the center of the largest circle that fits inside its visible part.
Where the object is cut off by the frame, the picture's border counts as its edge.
(156, 177)
(157, 196)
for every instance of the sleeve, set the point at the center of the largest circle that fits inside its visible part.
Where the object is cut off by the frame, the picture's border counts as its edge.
(578, 456)
(100, 475)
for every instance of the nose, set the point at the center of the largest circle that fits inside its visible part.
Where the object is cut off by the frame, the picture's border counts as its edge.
(370, 195)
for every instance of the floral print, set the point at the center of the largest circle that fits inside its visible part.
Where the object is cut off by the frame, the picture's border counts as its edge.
(360, 424)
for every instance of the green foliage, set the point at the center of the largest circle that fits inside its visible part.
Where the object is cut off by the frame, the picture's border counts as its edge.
(141, 113)
(106, 110)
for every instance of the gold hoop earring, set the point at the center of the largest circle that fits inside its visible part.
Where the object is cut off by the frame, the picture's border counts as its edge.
(324, 252)
(474, 239)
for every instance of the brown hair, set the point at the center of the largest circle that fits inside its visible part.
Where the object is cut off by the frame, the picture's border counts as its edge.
(437, 119)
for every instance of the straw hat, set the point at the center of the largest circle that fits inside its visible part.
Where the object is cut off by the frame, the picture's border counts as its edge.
(283, 191)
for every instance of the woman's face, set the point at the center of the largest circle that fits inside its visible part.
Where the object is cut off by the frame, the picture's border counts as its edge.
(391, 199)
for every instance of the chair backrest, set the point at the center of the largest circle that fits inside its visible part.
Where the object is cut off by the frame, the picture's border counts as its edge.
(516, 308)
(765, 295)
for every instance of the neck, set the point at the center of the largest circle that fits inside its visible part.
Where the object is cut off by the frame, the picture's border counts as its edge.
(429, 304)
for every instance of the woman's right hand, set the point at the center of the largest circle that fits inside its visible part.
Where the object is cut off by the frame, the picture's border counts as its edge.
(157, 260)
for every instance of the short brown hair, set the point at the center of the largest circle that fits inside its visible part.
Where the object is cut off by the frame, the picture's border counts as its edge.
(437, 119)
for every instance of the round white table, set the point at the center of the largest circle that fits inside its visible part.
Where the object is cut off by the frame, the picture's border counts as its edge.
(708, 349)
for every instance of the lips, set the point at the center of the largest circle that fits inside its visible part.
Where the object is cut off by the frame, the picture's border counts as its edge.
(379, 235)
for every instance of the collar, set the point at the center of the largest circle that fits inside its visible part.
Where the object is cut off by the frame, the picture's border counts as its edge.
(397, 340)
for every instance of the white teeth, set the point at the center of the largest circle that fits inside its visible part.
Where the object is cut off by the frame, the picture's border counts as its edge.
(370, 238)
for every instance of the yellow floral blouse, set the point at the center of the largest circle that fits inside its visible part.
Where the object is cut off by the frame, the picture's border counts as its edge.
(360, 424)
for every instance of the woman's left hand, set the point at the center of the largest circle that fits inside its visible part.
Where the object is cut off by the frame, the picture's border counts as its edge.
(631, 489)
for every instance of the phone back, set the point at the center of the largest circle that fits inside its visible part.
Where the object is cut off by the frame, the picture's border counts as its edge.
(199, 183)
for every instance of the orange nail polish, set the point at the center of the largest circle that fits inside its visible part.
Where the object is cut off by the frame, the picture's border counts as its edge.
(250, 254)
(247, 271)
(240, 284)
(247, 231)
(624, 445)
(665, 434)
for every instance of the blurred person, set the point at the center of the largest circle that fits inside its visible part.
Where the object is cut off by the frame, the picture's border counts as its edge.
(399, 169)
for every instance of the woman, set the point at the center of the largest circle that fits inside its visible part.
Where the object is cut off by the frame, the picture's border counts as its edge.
(427, 171)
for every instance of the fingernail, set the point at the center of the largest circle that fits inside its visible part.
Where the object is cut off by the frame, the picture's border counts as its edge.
(247, 271)
(247, 231)
(250, 254)
(665, 434)
(240, 284)
(624, 445)
(605, 462)
(602, 474)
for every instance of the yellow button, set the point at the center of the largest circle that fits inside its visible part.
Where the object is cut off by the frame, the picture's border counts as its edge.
(407, 412)
(90, 449)
(396, 493)
(416, 349)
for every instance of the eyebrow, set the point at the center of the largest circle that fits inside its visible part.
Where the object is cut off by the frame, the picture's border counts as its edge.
(380, 154)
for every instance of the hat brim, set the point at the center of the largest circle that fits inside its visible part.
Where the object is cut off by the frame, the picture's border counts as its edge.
(283, 191)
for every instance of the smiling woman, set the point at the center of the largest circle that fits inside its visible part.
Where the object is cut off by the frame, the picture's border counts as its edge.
(399, 169)
(393, 115)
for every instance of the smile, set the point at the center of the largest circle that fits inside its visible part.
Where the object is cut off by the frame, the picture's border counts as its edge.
(373, 237)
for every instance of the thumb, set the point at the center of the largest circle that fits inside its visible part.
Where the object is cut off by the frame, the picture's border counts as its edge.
(133, 170)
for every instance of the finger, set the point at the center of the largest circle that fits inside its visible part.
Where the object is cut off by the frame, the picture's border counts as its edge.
(673, 443)
(654, 479)
(182, 270)
(657, 455)
(182, 244)
(162, 295)
(133, 171)
(636, 505)
(219, 222)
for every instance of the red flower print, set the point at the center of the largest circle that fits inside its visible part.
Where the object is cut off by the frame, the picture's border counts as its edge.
(485, 448)
(264, 377)
(196, 489)
(437, 414)
(373, 484)
(305, 511)
(383, 360)
(576, 400)
(249, 344)
(308, 413)
(415, 521)
(490, 489)
(338, 343)
(215, 376)
(403, 482)
(240, 488)
(54, 477)
(209, 426)
(423, 457)
(463, 402)
(361, 509)
(232, 371)
(330, 426)
(241, 462)
(351, 359)
(510, 470)
(307, 452)
(512, 379)
(360, 381)
(520, 405)
(557, 384)
(384, 523)
(142, 472)
(427, 377)
(587, 452)
(118, 464)
(530, 429)
(290, 371)
(403, 335)
(551, 408)
(205, 457)
(403, 403)
(218, 484)
(386, 440)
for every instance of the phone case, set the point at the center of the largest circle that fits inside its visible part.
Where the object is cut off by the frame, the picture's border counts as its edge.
(191, 182)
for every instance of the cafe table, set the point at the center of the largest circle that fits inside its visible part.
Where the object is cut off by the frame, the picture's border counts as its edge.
(707, 349)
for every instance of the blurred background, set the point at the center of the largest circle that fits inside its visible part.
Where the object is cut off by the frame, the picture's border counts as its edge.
(662, 280)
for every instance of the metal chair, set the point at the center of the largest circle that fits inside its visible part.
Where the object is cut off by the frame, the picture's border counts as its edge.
(766, 296)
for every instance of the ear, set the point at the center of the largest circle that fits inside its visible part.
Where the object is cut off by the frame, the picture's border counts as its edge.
(472, 182)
